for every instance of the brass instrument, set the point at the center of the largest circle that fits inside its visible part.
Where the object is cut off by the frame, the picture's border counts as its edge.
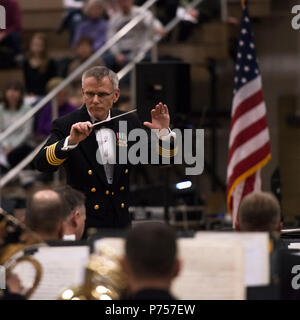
(14, 238)
(104, 279)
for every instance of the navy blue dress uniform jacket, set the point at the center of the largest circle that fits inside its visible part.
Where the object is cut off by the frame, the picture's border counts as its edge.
(106, 204)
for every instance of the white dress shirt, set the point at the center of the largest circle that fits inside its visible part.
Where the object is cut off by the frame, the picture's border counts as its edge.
(106, 143)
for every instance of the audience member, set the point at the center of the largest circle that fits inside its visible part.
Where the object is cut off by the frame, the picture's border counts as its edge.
(111, 7)
(95, 25)
(73, 16)
(150, 261)
(38, 67)
(44, 118)
(260, 211)
(75, 201)
(128, 46)
(84, 50)
(17, 145)
(10, 37)
(205, 11)
(46, 214)
(166, 9)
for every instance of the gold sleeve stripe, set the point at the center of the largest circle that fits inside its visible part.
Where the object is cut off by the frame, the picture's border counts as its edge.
(166, 153)
(55, 159)
(49, 151)
(50, 154)
(51, 157)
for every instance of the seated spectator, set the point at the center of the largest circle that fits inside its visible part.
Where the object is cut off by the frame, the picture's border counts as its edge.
(260, 211)
(44, 117)
(46, 213)
(166, 9)
(111, 7)
(75, 200)
(38, 68)
(84, 49)
(95, 25)
(73, 16)
(151, 261)
(129, 45)
(17, 145)
(10, 37)
(206, 11)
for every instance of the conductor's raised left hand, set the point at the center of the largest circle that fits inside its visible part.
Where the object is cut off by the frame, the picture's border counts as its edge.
(160, 117)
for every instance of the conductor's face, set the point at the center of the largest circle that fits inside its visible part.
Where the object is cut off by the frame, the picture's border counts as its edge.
(99, 96)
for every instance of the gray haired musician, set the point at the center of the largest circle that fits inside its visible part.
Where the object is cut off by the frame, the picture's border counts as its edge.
(89, 153)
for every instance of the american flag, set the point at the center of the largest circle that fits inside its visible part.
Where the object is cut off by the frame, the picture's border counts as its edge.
(249, 141)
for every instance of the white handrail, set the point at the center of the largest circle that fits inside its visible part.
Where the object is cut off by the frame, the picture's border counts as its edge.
(130, 25)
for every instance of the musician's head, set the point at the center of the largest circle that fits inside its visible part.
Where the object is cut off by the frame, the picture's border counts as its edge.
(100, 90)
(46, 213)
(259, 211)
(150, 258)
(75, 200)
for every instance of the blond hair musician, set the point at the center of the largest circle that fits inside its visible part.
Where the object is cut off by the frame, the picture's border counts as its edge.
(260, 211)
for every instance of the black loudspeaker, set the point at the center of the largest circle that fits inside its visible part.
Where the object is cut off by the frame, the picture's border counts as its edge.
(168, 82)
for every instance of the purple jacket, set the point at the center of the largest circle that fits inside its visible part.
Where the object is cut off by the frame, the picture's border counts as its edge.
(96, 29)
(44, 118)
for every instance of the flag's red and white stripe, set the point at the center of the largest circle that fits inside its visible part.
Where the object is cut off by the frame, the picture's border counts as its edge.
(249, 144)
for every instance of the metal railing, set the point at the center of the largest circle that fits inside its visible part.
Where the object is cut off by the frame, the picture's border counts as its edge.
(130, 25)
(129, 67)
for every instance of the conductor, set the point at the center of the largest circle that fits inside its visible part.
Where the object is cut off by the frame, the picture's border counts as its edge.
(77, 146)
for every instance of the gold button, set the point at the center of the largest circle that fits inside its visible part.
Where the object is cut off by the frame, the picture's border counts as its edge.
(122, 205)
(107, 192)
(126, 171)
(93, 190)
(112, 193)
(90, 172)
(96, 207)
(122, 188)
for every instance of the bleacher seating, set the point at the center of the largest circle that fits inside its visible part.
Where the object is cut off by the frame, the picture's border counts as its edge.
(43, 16)
(10, 75)
(257, 8)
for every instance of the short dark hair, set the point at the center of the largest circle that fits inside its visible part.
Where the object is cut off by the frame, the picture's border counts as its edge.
(151, 249)
(259, 211)
(72, 197)
(15, 85)
(44, 215)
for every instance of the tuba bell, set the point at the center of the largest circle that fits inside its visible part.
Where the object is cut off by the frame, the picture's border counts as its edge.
(104, 279)
(15, 239)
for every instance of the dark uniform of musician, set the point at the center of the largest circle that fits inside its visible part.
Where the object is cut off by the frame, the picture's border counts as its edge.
(77, 146)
